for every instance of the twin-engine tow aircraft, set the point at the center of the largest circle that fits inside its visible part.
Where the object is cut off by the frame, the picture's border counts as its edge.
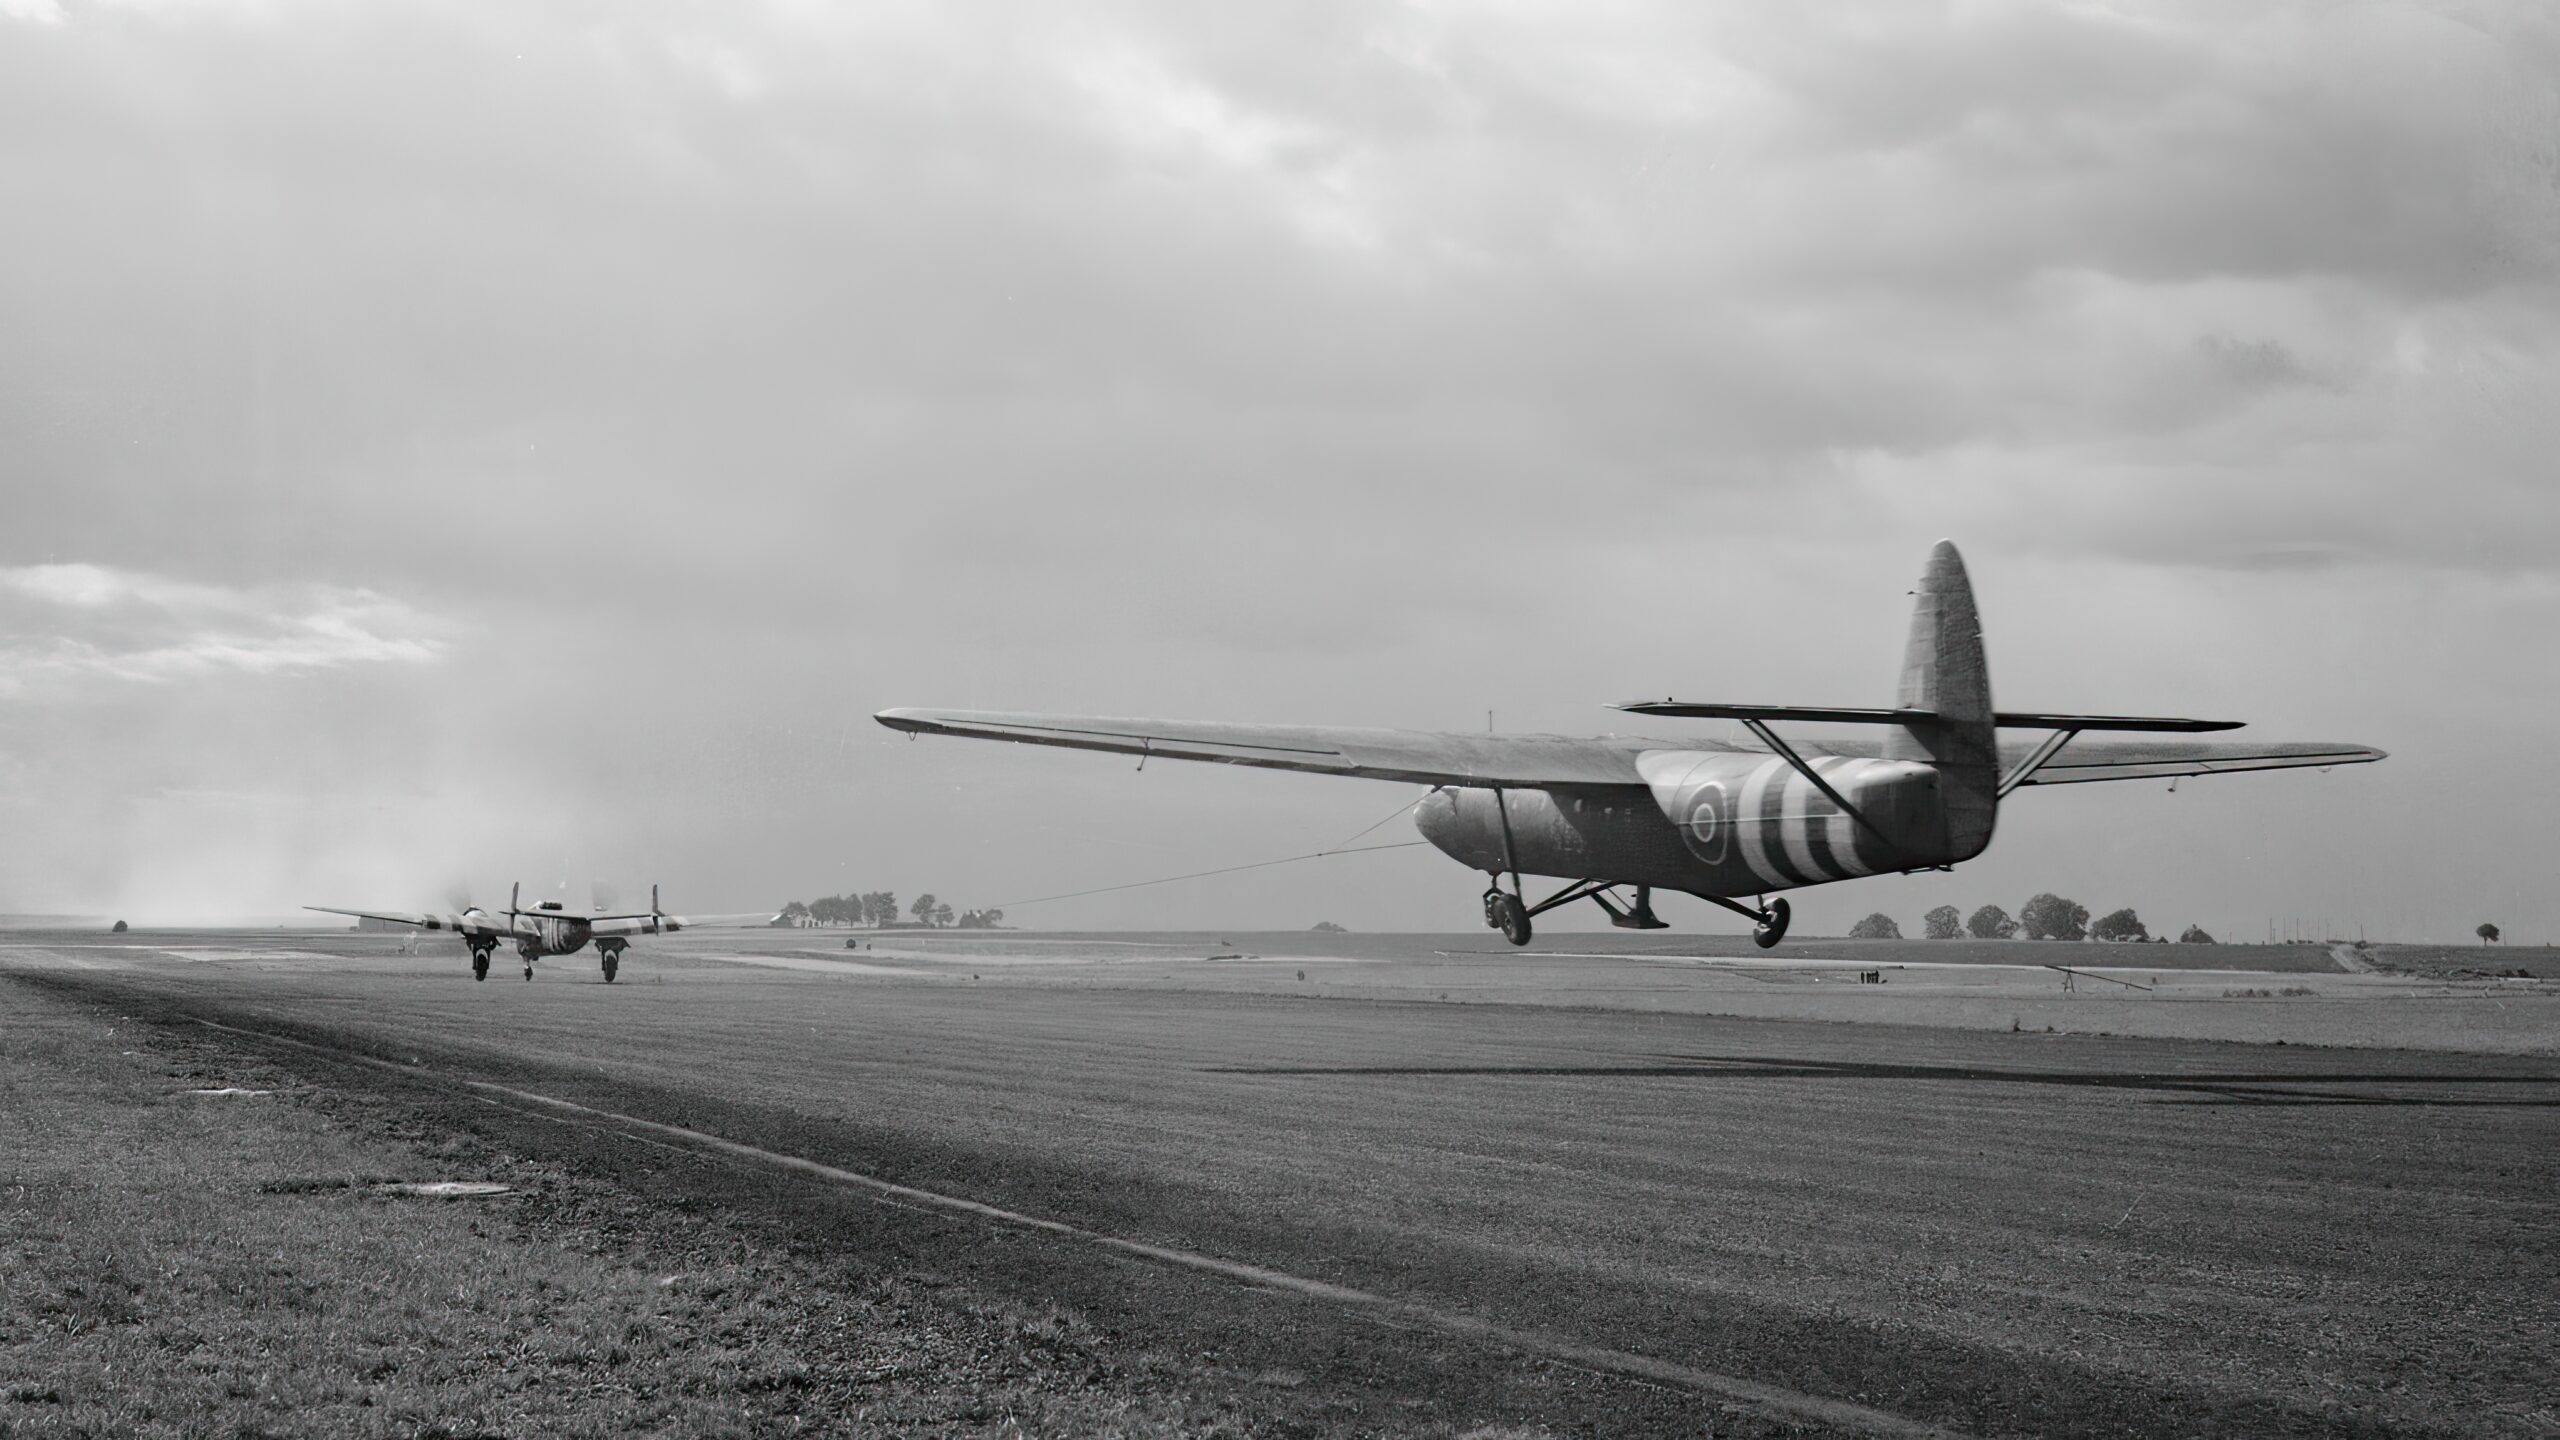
(1714, 819)
(546, 929)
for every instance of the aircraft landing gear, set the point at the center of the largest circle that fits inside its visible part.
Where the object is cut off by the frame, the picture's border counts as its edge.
(1773, 929)
(479, 964)
(528, 969)
(612, 957)
(1638, 916)
(1768, 922)
(1510, 913)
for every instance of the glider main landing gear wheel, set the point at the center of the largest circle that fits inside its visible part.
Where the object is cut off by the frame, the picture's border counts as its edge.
(1773, 925)
(612, 962)
(528, 969)
(479, 964)
(1768, 921)
(1505, 913)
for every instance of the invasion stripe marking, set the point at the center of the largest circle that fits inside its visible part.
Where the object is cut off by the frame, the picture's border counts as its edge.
(1746, 822)
(1803, 819)
(1841, 832)
(1776, 805)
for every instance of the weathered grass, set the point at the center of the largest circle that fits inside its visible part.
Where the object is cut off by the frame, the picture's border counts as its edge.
(201, 1266)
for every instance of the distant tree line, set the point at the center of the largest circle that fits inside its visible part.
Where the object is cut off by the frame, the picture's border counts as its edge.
(2046, 917)
(879, 910)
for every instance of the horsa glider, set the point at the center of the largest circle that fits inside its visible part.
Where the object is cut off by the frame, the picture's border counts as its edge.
(546, 929)
(1728, 822)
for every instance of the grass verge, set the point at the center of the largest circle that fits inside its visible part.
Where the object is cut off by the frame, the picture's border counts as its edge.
(188, 1264)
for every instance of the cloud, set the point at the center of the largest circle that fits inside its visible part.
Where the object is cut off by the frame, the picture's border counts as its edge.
(83, 621)
(753, 366)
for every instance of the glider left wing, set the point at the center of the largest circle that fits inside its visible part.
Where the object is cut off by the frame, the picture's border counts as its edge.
(1418, 757)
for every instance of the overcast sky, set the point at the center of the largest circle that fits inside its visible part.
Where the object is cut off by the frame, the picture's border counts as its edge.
(452, 444)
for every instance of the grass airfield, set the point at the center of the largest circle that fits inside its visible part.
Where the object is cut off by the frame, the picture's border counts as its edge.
(1332, 1185)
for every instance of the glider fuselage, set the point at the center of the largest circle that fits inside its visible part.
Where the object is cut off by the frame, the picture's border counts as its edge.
(1707, 822)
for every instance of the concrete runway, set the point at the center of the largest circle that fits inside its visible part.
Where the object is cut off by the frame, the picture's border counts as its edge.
(1595, 1200)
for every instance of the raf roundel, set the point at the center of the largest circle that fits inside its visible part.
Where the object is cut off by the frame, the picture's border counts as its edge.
(1706, 823)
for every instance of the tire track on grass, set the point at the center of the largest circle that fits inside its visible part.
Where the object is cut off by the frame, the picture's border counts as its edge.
(1769, 1401)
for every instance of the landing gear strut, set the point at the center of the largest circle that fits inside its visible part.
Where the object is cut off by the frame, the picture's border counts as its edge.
(1768, 923)
(1638, 916)
(1507, 914)
(1510, 913)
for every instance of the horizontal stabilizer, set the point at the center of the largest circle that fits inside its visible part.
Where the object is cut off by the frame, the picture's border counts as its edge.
(2079, 763)
(1847, 715)
(2018, 720)
(1820, 714)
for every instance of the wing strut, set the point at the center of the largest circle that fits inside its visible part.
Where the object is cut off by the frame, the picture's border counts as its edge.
(1508, 859)
(2034, 762)
(1788, 753)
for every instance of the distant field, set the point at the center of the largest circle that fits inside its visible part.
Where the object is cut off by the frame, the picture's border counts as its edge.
(2310, 959)
(2539, 961)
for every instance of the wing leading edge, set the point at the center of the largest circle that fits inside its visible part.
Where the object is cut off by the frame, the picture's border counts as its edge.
(1418, 757)
(1528, 761)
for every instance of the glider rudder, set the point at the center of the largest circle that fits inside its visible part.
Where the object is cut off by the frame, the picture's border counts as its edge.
(1945, 675)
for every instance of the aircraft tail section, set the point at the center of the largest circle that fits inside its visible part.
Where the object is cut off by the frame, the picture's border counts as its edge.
(1944, 674)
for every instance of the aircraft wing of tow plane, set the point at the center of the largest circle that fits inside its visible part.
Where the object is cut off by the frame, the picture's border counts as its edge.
(546, 929)
(1718, 819)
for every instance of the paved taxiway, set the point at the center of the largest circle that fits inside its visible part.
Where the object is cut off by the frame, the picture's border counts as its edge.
(1977, 1230)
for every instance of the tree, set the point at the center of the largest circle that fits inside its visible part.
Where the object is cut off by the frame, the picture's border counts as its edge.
(2120, 925)
(1991, 923)
(1944, 923)
(2050, 917)
(793, 913)
(2487, 932)
(941, 915)
(923, 909)
(880, 907)
(2194, 935)
(1878, 926)
(827, 910)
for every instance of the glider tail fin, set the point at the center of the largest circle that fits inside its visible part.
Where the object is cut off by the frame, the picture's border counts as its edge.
(1943, 672)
